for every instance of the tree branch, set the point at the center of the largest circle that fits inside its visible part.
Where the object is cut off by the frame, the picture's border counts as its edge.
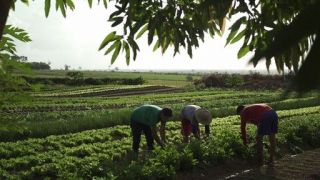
(4, 12)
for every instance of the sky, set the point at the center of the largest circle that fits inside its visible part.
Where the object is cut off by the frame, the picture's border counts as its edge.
(74, 41)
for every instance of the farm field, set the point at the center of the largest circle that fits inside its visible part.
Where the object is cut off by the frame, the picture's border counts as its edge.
(152, 78)
(81, 81)
(83, 131)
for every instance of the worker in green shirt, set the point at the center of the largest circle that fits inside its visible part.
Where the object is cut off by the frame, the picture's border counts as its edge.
(144, 119)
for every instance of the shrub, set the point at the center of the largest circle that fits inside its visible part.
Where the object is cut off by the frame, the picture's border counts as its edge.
(234, 80)
(214, 80)
(75, 75)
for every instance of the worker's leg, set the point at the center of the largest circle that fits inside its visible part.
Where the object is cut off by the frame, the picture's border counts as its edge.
(272, 136)
(185, 138)
(259, 140)
(186, 129)
(207, 129)
(136, 135)
(272, 149)
(148, 133)
(196, 130)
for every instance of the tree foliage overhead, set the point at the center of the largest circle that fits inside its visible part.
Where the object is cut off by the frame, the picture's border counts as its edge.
(280, 30)
(283, 30)
(9, 82)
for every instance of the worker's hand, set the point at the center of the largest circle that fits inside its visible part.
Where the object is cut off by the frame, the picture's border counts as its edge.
(162, 144)
(164, 141)
(253, 145)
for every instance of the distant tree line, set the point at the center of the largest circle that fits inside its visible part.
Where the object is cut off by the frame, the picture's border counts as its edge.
(39, 65)
(76, 79)
(248, 81)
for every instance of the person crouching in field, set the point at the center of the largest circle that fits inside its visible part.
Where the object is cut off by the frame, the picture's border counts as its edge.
(145, 119)
(266, 120)
(190, 117)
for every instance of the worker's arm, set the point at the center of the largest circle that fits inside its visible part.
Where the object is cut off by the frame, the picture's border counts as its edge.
(156, 137)
(163, 132)
(196, 129)
(243, 131)
(185, 138)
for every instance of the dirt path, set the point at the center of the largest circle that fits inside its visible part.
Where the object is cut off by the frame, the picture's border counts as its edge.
(301, 166)
(292, 167)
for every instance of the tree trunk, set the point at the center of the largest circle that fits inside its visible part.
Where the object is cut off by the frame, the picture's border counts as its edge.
(4, 12)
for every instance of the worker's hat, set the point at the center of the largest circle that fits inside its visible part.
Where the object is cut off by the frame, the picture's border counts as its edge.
(203, 116)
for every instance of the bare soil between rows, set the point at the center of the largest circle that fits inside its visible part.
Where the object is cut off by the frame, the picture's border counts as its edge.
(301, 166)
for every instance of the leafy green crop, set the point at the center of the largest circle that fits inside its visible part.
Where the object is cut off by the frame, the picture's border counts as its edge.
(106, 152)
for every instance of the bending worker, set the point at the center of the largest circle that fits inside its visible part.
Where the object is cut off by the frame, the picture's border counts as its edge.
(190, 117)
(266, 120)
(145, 119)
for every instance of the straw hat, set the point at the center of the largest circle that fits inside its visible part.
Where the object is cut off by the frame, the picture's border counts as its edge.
(203, 116)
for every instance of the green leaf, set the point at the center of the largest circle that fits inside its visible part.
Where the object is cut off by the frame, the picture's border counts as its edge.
(117, 21)
(268, 63)
(60, 4)
(151, 28)
(116, 53)
(116, 13)
(156, 46)
(17, 33)
(109, 38)
(165, 45)
(26, 2)
(127, 49)
(238, 37)
(47, 6)
(142, 31)
(70, 4)
(105, 2)
(90, 3)
(234, 29)
(243, 51)
(190, 50)
(134, 47)
(111, 47)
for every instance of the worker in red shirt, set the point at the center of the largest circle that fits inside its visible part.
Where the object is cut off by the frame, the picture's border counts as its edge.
(266, 120)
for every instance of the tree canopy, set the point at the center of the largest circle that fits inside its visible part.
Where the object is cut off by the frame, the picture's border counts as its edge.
(285, 31)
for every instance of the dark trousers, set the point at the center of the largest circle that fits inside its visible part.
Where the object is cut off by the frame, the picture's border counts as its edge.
(195, 129)
(137, 129)
(207, 129)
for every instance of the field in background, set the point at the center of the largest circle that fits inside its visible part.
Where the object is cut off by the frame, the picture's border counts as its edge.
(152, 78)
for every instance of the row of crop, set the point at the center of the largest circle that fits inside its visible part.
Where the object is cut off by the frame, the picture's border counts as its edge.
(295, 134)
(20, 148)
(211, 100)
(73, 104)
(90, 157)
(44, 124)
(85, 89)
(140, 98)
(122, 91)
